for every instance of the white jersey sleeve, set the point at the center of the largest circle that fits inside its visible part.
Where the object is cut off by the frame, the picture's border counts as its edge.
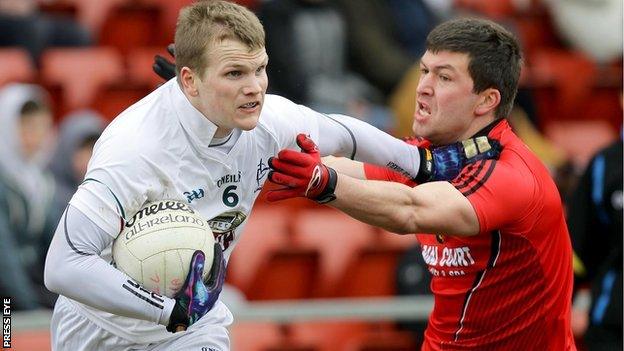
(340, 135)
(75, 269)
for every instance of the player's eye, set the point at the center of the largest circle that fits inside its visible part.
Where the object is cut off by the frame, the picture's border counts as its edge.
(234, 74)
(424, 70)
(444, 78)
(260, 69)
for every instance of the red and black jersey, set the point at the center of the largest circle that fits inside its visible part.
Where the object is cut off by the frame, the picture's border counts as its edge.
(510, 286)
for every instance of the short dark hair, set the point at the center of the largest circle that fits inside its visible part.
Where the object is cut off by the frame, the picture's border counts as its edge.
(493, 52)
(31, 107)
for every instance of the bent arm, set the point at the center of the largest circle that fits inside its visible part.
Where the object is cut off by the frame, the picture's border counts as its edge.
(343, 165)
(435, 208)
(75, 269)
(341, 135)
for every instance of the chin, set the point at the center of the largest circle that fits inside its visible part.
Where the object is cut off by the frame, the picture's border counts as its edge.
(247, 124)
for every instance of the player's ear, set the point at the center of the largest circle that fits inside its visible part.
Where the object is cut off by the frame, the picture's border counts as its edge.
(489, 99)
(189, 81)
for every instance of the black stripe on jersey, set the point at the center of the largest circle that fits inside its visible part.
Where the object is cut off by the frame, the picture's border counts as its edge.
(494, 253)
(472, 171)
(480, 181)
(155, 299)
(350, 133)
(123, 213)
(69, 242)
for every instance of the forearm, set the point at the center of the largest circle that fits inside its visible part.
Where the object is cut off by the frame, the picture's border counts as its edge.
(75, 269)
(354, 139)
(433, 208)
(388, 205)
(345, 166)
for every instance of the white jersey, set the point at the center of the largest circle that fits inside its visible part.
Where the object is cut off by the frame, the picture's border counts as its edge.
(159, 149)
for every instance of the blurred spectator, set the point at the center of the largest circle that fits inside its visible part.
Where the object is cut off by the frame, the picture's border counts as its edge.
(374, 48)
(592, 26)
(21, 24)
(307, 46)
(77, 134)
(595, 223)
(25, 193)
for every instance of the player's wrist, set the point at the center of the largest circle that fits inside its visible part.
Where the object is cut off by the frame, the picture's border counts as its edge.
(178, 318)
(426, 168)
(328, 192)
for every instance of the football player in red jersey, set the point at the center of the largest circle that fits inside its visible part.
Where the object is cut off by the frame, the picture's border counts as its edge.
(494, 237)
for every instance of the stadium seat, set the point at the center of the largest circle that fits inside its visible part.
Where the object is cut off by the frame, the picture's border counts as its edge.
(384, 340)
(337, 237)
(93, 13)
(500, 9)
(30, 340)
(328, 335)
(169, 10)
(372, 272)
(139, 62)
(81, 73)
(580, 139)
(264, 264)
(255, 336)
(566, 79)
(134, 24)
(16, 66)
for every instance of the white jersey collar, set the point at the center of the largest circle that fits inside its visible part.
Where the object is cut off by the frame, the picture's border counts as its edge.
(199, 128)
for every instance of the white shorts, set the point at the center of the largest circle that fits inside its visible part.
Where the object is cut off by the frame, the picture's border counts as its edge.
(71, 331)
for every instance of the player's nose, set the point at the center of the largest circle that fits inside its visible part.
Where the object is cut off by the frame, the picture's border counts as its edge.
(254, 86)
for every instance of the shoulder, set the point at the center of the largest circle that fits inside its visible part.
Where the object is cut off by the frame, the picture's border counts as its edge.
(280, 115)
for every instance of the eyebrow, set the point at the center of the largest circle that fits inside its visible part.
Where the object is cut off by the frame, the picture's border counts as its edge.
(441, 67)
(239, 65)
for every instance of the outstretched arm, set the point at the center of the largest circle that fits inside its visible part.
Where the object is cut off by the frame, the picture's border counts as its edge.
(435, 207)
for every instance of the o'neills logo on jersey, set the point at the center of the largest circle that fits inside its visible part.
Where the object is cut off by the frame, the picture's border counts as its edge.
(229, 178)
(157, 207)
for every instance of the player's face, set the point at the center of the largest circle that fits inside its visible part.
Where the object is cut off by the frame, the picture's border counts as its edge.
(231, 91)
(34, 132)
(445, 102)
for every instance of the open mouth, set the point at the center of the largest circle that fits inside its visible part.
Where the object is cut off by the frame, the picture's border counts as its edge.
(424, 109)
(250, 105)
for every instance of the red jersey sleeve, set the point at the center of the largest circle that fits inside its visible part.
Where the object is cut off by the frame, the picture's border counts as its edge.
(373, 172)
(498, 192)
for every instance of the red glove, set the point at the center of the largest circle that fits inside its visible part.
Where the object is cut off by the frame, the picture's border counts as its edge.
(302, 174)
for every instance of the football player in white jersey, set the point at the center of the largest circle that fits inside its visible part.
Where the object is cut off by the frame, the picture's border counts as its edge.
(203, 138)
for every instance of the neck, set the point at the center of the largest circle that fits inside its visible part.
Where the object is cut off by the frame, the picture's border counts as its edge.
(222, 132)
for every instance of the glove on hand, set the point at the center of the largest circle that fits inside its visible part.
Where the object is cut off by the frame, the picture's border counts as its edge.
(197, 297)
(446, 162)
(163, 67)
(302, 174)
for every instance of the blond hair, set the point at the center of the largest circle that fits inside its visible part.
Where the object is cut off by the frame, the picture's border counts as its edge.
(205, 23)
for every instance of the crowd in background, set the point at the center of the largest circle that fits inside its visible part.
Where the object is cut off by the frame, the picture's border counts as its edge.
(338, 56)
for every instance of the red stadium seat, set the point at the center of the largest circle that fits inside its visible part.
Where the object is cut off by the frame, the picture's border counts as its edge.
(93, 13)
(384, 340)
(580, 139)
(254, 336)
(30, 340)
(337, 237)
(81, 73)
(329, 335)
(16, 66)
(139, 62)
(132, 25)
(264, 264)
(372, 272)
